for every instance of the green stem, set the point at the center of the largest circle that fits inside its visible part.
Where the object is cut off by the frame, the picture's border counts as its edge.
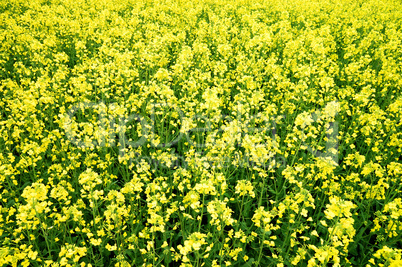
(202, 213)
(261, 247)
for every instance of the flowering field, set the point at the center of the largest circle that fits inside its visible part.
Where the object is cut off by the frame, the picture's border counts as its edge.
(200, 133)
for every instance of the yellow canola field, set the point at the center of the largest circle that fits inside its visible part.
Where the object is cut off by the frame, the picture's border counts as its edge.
(200, 133)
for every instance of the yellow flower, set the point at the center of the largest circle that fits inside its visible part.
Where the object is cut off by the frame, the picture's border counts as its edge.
(338, 208)
(96, 242)
(110, 247)
(245, 187)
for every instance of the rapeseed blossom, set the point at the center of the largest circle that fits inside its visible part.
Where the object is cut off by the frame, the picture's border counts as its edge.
(200, 133)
